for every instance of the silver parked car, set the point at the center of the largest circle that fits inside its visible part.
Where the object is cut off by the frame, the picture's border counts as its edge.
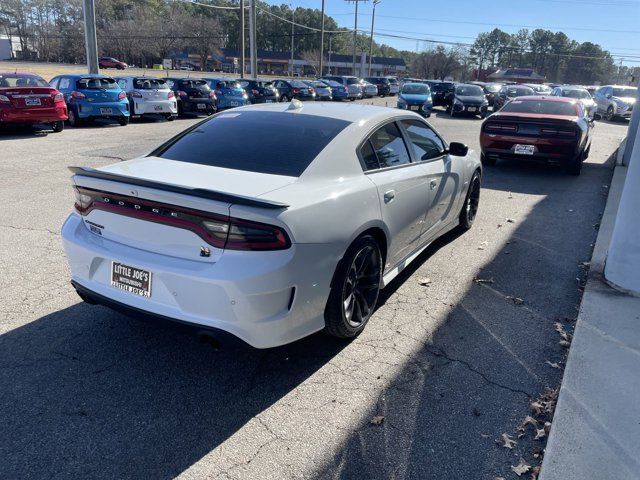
(149, 96)
(369, 90)
(616, 101)
(352, 84)
(323, 90)
(579, 93)
(275, 235)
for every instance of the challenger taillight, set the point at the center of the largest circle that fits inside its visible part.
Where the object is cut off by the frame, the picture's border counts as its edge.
(559, 132)
(497, 127)
(78, 95)
(221, 231)
(122, 95)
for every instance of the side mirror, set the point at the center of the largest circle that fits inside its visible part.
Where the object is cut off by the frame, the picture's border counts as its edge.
(458, 149)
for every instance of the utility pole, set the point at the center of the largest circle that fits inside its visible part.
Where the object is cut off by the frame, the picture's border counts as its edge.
(322, 41)
(373, 19)
(329, 62)
(253, 52)
(293, 19)
(91, 41)
(355, 37)
(242, 47)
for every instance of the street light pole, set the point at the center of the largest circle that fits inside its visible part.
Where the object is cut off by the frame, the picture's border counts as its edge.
(329, 61)
(355, 38)
(91, 41)
(322, 41)
(253, 52)
(373, 19)
(293, 19)
(242, 47)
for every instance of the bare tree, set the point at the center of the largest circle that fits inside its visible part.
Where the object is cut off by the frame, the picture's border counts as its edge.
(205, 37)
(312, 57)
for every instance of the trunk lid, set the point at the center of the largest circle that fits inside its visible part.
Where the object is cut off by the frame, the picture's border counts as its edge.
(29, 97)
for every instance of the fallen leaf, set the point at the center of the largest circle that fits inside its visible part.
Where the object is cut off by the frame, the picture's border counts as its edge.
(484, 280)
(424, 281)
(521, 468)
(515, 300)
(499, 225)
(498, 478)
(561, 331)
(536, 407)
(535, 472)
(564, 343)
(510, 220)
(506, 441)
(540, 433)
(377, 420)
(528, 420)
(484, 435)
(552, 364)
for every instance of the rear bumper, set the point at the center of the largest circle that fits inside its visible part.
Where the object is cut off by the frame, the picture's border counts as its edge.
(192, 105)
(273, 99)
(99, 110)
(33, 115)
(546, 150)
(264, 298)
(231, 102)
(154, 107)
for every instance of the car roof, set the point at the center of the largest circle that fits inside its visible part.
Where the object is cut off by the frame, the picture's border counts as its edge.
(84, 75)
(548, 98)
(349, 112)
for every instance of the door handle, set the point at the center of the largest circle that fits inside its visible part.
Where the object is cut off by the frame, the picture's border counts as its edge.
(389, 196)
(433, 184)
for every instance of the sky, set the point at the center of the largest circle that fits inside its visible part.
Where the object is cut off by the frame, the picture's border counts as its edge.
(614, 24)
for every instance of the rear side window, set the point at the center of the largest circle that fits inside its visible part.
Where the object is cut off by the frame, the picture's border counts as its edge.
(424, 141)
(281, 143)
(96, 83)
(149, 84)
(369, 156)
(389, 146)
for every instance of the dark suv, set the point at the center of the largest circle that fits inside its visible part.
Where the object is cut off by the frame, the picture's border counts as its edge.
(383, 84)
(290, 89)
(442, 93)
(259, 91)
(193, 95)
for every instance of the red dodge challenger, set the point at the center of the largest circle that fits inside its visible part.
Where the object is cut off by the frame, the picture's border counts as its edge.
(552, 130)
(28, 99)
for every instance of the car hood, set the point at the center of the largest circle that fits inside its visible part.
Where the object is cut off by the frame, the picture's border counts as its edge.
(414, 97)
(627, 100)
(191, 175)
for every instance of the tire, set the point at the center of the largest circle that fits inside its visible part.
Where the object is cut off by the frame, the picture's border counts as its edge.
(452, 111)
(575, 167)
(57, 127)
(471, 203)
(610, 114)
(355, 289)
(487, 161)
(101, 66)
(170, 118)
(284, 98)
(74, 121)
(123, 121)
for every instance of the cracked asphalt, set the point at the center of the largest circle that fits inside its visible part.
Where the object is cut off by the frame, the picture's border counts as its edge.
(86, 392)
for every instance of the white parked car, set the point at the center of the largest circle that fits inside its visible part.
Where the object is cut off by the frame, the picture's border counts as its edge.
(369, 90)
(352, 84)
(271, 236)
(149, 96)
(394, 86)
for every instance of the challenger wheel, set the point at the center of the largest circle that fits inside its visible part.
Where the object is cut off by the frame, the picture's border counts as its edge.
(355, 289)
(487, 160)
(471, 203)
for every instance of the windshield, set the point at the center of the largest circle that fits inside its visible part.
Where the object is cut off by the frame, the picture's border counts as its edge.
(492, 87)
(393, 81)
(576, 94)
(625, 92)
(469, 91)
(97, 83)
(283, 144)
(416, 89)
(519, 92)
(17, 80)
(544, 107)
(352, 81)
(149, 84)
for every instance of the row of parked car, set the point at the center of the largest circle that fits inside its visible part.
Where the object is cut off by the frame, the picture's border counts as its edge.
(609, 101)
(79, 98)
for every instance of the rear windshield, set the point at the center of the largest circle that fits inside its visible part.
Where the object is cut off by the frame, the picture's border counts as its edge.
(149, 84)
(298, 84)
(519, 92)
(442, 87)
(416, 89)
(352, 81)
(540, 106)
(193, 83)
(17, 80)
(492, 87)
(332, 83)
(469, 91)
(393, 81)
(576, 94)
(282, 143)
(97, 83)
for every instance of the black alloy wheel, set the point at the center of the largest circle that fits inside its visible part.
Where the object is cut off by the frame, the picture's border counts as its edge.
(355, 289)
(471, 203)
(57, 127)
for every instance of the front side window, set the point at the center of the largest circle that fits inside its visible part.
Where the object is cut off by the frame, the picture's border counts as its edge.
(425, 142)
(389, 146)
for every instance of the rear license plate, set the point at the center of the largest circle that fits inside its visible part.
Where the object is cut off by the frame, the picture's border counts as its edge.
(524, 149)
(201, 106)
(32, 102)
(472, 109)
(157, 108)
(268, 101)
(106, 111)
(415, 107)
(131, 279)
(233, 104)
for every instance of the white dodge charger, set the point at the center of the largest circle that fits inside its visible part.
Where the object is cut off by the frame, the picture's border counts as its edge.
(269, 222)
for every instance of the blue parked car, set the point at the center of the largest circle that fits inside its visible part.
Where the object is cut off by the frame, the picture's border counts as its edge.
(229, 92)
(338, 91)
(417, 98)
(92, 96)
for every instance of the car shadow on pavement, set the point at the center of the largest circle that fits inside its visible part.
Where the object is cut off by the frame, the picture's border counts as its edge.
(470, 378)
(18, 133)
(89, 393)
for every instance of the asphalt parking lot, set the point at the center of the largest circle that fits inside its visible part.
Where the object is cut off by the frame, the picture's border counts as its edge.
(450, 364)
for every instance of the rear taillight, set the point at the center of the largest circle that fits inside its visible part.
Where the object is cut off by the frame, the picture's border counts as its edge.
(558, 132)
(122, 95)
(217, 230)
(135, 94)
(171, 94)
(58, 97)
(78, 95)
(212, 95)
(218, 92)
(255, 92)
(5, 99)
(181, 93)
(311, 90)
(296, 90)
(496, 127)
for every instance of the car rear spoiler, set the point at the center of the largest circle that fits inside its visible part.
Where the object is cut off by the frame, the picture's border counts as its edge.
(168, 187)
